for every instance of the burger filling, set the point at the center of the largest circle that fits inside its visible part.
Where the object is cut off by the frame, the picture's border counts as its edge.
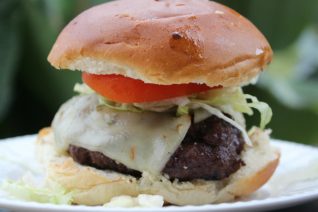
(210, 150)
(192, 137)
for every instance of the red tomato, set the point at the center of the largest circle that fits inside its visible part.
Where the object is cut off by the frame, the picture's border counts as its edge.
(127, 90)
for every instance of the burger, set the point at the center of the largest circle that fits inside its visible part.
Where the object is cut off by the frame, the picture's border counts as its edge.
(161, 107)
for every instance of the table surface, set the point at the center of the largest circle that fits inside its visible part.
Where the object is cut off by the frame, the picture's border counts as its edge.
(307, 207)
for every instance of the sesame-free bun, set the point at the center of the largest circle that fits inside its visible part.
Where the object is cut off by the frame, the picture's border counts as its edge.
(95, 187)
(164, 42)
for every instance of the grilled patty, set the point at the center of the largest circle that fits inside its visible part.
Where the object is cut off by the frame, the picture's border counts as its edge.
(210, 150)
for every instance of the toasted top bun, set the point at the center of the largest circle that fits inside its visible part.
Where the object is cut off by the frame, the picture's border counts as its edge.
(164, 42)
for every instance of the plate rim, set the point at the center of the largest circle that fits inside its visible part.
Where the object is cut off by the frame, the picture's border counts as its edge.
(278, 202)
(268, 203)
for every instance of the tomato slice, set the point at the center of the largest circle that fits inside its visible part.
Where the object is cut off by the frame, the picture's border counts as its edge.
(127, 90)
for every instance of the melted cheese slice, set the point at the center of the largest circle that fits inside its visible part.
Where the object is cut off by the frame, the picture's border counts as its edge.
(140, 141)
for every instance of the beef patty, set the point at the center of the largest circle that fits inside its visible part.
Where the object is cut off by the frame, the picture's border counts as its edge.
(210, 150)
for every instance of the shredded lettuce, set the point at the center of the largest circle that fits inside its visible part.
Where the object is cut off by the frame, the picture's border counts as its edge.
(82, 88)
(236, 116)
(163, 105)
(219, 114)
(226, 96)
(22, 190)
(182, 110)
(264, 109)
(231, 101)
(118, 106)
(238, 101)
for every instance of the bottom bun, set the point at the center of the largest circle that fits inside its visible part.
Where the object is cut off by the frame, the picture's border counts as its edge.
(96, 187)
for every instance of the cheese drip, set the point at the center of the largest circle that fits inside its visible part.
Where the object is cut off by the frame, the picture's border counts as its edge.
(141, 141)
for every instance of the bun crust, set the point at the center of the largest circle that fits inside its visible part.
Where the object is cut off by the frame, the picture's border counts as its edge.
(95, 187)
(164, 42)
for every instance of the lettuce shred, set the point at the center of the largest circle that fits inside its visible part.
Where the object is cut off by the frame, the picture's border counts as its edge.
(118, 106)
(238, 101)
(263, 108)
(25, 191)
(219, 114)
(182, 110)
(231, 101)
(83, 89)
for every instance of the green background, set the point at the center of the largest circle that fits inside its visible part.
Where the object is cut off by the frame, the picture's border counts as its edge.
(31, 91)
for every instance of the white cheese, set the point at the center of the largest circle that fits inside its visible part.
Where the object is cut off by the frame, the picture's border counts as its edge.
(141, 141)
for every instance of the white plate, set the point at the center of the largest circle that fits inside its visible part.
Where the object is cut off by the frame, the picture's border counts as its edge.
(295, 181)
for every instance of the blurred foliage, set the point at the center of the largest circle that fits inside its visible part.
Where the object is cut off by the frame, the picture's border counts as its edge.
(295, 82)
(31, 91)
(9, 48)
